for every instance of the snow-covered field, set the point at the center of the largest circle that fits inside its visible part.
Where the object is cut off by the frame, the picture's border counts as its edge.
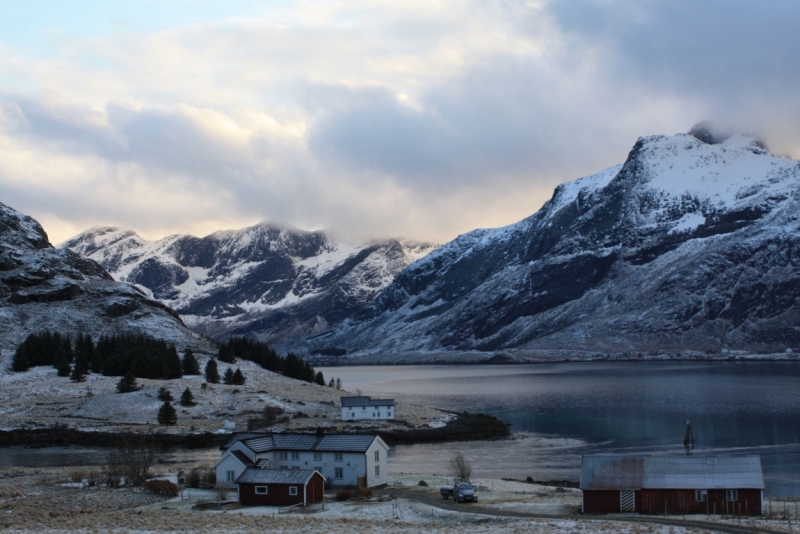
(39, 398)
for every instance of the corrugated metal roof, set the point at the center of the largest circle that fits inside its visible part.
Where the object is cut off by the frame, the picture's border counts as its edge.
(254, 475)
(259, 443)
(616, 471)
(365, 401)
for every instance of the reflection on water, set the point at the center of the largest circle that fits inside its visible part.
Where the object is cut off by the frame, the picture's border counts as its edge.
(609, 406)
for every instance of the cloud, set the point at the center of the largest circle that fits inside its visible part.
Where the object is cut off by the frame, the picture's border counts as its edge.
(423, 119)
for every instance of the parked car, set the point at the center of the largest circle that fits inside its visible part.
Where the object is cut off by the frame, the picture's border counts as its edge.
(460, 492)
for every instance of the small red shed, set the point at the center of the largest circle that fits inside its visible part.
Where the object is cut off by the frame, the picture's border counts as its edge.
(280, 487)
(613, 483)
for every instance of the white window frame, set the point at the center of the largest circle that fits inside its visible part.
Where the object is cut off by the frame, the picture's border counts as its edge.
(338, 457)
(230, 476)
(295, 456)
(701, 495)
(293, 490)
(285, 467)
(377, 470)
(295, 468)
(261, 490)
(378, 456)
(317, 456)
(731, 495)
(318, 469)
(338, 473)
(283, 455)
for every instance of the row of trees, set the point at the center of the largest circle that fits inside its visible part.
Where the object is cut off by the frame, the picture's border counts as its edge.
(117, 355)
(260, 353)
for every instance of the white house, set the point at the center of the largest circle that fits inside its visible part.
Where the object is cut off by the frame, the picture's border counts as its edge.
(367, 408)
(343, 459)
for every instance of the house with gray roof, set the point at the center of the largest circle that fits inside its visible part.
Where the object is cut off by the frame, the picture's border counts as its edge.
(701, 484)
(280, 487)
(364, 407)
(342, 459)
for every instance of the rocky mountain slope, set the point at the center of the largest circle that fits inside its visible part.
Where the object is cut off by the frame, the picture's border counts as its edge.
(266, 281)
(692, 243)
(45, 288)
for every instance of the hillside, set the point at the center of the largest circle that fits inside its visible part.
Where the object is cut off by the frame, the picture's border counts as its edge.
(266, 281)
(691, 244)
(46, 288)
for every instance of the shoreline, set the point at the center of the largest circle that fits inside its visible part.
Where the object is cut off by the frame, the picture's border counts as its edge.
(464, 427)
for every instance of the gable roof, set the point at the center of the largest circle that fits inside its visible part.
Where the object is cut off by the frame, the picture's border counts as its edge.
(254, 475)
(259, 443)
(239, 455)
(365, 401)
(618, 471)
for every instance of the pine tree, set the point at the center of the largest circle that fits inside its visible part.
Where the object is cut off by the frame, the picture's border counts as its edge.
(319, 379)
(20, 363)
(212, 374)
(338, 383)
(167, 415)
(187, 399)
(164, 394)
(84, 348)
(227, 378)
(63, 367)
(332, 383)
(189, 362)
(226, 354)
(127, 384)
(79, 371)
(238, 378)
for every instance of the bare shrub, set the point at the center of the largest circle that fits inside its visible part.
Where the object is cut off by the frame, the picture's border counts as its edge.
(131, 459)
(201, 478)
(344, 495)
(271, 413)
(364, 493)
(222, 492)
(95, 478)
(165, 488)
(77, 475)
(460, 467)
(422, 483)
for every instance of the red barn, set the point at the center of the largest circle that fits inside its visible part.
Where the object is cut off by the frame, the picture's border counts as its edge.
(613, 483)
(280, 487)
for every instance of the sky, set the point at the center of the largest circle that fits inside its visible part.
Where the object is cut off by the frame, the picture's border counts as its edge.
(367, 118)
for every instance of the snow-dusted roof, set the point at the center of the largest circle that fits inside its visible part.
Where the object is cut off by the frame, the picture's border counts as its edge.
(365, 401)
(254, 475)
(617, 471)
(259, 443)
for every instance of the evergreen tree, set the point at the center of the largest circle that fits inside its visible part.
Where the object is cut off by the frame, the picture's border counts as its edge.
(332, 383)
(189, 363)
(167, 415)
(187, 399)
(164, 394)
(226, 354)
(84, 348)
(212, 374)
(319, 379)
(20, 362)
(127, 384)
(238, 378)
(227, 378)
(79, 371)
(63, 367)
(338, 383)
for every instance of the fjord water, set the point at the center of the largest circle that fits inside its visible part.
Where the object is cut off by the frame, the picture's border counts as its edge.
(563, 410)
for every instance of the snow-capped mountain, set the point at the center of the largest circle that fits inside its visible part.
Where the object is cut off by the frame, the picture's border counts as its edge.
(266, 281)
(692, 243)
(45, 288)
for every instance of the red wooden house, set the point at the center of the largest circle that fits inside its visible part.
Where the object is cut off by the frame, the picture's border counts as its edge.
(613, 483)
(280, 487)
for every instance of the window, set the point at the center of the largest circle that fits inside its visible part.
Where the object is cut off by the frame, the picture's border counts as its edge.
(295, 456)
(701, 495)
(318, 469)
(286, 467)
(317, 456)
(338, 457)
(231, 476)
(292, 490)
(338, 473)
(261, 490)
(377, 470)
(295, 468)
(363, 407)
(284, 455)
(731, 495)
(377, 456)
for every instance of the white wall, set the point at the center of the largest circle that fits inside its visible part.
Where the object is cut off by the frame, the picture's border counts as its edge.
(354, 413)
(228, 463)
(383, 461)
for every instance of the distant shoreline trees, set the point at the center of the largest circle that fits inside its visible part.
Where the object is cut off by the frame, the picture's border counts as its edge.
(261, 354)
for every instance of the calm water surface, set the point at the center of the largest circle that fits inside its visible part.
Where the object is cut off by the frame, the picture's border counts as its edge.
(564, 410)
